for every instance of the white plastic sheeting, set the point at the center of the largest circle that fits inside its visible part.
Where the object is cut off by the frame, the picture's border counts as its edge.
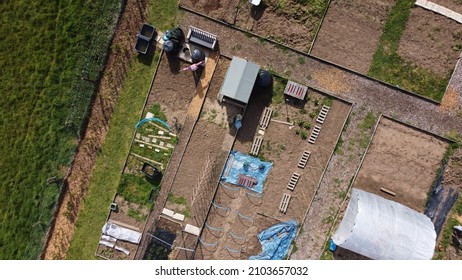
(385, 230)
(121, 233)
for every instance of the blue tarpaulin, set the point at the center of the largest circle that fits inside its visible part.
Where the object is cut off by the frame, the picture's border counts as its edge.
(246, 165)
(275, 241)
(332, 245)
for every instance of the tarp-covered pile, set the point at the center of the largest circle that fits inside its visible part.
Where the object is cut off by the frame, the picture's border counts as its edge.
(243, 164)
(276, 241)
(382, 229)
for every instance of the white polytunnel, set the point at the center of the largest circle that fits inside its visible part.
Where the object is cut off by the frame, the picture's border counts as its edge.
(382, 229)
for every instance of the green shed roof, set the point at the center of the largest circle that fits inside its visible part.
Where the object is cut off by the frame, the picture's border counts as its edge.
(239, 80)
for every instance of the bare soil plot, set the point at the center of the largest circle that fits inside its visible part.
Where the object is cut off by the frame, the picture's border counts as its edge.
(211, 137)
(173, 90)
(289, 22)
(432, 41)
(206, 152)
(401, 159)
(233, 228)
(350, 32)
(220, 9)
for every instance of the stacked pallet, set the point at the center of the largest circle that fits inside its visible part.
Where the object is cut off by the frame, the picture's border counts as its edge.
(304, 159)
(323, 114)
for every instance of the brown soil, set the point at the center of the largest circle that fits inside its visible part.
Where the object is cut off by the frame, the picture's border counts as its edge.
(220, 9)
(350, 32)
(454, 5)
(283, 147)
(173, 90)
(403, 160)
(335, 80)
(204, 158)
(106, 97)
(432, 41)
(290, 24)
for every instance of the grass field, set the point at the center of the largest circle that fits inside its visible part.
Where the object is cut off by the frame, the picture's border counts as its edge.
(108, 167)
(51, 52)
(388, 66)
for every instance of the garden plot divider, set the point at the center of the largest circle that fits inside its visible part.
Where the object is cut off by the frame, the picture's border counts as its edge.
(310, 56)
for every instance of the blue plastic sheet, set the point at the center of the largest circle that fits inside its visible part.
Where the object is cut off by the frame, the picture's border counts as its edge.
(276, 241)
(247, 165)
(332, 246)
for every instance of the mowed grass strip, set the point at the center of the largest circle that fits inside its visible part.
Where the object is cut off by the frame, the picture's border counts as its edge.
(46, 48)
(108, 167)
(389, 66)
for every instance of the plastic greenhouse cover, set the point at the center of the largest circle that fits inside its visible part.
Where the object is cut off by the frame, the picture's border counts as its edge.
(383, 229)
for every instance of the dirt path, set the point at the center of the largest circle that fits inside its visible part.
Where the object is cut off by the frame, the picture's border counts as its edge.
(103, 105)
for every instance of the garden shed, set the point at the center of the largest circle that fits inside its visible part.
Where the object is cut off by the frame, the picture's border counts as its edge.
(239, 81)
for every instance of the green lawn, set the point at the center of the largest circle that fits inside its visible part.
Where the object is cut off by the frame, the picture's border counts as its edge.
(107, 171)
(388, 66)
(46, 48)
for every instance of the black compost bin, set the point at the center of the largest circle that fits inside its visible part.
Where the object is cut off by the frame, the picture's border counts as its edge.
(142, 45)
(147, 31)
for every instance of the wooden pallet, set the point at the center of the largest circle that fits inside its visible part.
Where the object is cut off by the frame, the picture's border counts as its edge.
(323, 114)
(266, 117)
(314, 134)
(304, 159)
(257, 141)
(284, 203)
(293, 181)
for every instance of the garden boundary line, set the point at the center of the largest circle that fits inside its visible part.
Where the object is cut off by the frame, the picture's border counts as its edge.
(311, 56)
(419, 129)
(319, 27)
